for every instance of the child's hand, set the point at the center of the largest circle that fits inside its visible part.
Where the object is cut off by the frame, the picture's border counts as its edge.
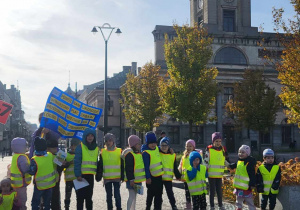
(45, 130)
(132, 183)
(171, 151)
(195, 165)
(252, 188)
(148, 181)
(79, 178)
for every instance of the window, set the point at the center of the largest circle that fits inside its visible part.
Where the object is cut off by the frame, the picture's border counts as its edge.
(229, 20)
(228, 94)
(173, 133)
(197, 132)
(231, 56)
(265, 138)
(286, 134)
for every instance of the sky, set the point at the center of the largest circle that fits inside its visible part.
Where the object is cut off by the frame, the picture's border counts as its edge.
(42, 41)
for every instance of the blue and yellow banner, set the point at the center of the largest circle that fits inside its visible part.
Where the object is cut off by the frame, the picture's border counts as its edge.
(68, 116)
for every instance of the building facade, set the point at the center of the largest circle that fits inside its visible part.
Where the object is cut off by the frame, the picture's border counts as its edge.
(236, 46)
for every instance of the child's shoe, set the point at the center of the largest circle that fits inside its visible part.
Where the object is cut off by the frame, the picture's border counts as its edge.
(222, 208)
(174, 208)
(188, 206)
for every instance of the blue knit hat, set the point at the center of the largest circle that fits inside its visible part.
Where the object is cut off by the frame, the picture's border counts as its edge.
(150, 138)
(165, 140)
(268, 152)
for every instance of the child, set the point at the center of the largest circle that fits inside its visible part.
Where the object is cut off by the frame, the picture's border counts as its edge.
(19, 166)
(41, 166)
(154, 172)
(7, 195)
(134, 168)
(69, 172)
(268, 179)
(85, 167)
(195, 178)
(215, 162)
(170, 168)
(244, 178)
(111, 168)
(184, 164)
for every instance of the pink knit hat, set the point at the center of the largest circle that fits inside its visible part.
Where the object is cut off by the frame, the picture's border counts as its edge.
(246, 148)
(215, 136)
(192, 142)
(133, 140)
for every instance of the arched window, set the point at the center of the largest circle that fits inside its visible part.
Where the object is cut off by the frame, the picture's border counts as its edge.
(231, 56)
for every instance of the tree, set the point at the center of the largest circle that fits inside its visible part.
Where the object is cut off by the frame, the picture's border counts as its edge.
(255, 104)
(190, 92)
(141, 101)
(289, 67)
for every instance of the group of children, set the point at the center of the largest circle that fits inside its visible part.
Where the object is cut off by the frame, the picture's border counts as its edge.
(150, 163)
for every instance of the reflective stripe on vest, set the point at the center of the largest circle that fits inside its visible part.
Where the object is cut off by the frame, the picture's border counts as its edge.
(241, 177)
(185, 165)
(89, 160)
(216, 165)
(69, 172)
(168, 166)
(197, 186)
(268, 178)
(16, 176)
(111, 163)
(8, 201)
(45, 175)
(156, 168)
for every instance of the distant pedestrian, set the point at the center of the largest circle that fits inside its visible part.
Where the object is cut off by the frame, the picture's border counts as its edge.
(111, 168)
(3, 153)
(134, 169)
(268, 179)
(162, 135)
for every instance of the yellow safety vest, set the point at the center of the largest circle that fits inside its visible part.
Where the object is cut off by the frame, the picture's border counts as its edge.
(89, 160)
(111, 163)
(8, 201)
(156, 168)
(216, 165)
(268, 178)
(241, 177)
(197, 186)
(69, 172)
(139, 168)
(185, 165)
(168, 166)
(16, 175)
(45, 176)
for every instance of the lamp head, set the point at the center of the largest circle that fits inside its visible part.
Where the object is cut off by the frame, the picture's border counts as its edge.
(118, 32)
(94, 30)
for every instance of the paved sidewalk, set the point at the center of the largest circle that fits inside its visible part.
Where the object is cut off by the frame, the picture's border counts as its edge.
(99, 196)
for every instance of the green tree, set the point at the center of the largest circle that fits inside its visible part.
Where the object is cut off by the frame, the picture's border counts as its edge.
(190, 92)
(141, 102)
(255, 104)
(289, 67)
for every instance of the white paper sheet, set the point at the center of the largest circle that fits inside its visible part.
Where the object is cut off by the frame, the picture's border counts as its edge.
(78, 185)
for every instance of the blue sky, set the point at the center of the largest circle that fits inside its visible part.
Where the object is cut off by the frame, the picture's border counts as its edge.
(41, 41)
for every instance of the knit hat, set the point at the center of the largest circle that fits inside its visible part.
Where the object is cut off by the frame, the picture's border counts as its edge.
(268, 152)
(193, 156)
(40, 144)
(246, 148)
(133, 140)
(18, 145)
(215, 136)
(150, 138)
(75, 141)
(192, 142)
(52, 143)
(109, 136)
(5, 180)
(165, 140)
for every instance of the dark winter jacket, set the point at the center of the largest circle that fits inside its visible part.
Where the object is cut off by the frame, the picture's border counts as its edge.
(260, 181)
(250, 169)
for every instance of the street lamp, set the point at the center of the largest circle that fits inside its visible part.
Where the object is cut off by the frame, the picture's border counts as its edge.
(105, 26)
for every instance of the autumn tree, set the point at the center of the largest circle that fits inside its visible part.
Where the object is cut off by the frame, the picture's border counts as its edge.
(190, 92)
(140, 99)
(289, 67)
(255, 104)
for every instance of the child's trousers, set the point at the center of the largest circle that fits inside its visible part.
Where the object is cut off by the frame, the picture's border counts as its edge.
(22, 197)
(215, 184)
(249, 201)
(86, 193)
(272, 201)
(154, 190)
(68, 193)
(36, 198)
(187, 193)
(117, 195)
(169, 189)
(199, 202)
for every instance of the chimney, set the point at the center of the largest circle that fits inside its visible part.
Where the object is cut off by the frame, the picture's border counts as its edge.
(12, 87)
(134, 68)
(126, 69)
(139, 70)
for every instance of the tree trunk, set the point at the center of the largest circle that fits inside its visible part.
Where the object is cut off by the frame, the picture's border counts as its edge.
(191, 129)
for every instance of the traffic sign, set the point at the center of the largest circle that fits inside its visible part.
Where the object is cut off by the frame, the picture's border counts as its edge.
(5, 110)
